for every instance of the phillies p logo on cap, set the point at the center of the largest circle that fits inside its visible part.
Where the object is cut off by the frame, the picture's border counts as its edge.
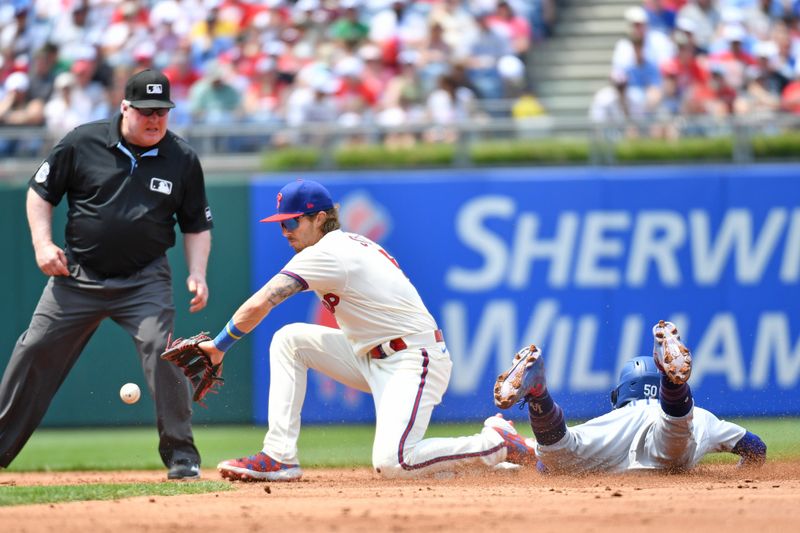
(301, 197)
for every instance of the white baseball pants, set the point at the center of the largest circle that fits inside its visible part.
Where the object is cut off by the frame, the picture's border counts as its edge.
(405, 387)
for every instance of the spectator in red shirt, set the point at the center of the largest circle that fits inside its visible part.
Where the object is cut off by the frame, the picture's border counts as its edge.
(716, 98)
(143, 56)
(735, 59)
(264, 96)
(131, 11)
(376, 74)
(687, 66)
(790, 98)
(514, 27)
(181, 75)
(352, 93)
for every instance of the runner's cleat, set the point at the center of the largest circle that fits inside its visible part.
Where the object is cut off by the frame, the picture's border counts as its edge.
(671, 356)
(525, 378)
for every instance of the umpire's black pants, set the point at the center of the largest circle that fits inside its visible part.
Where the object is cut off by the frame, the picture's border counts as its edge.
(69, 312)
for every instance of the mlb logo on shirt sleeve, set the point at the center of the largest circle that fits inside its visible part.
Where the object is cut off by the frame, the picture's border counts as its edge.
(162, 186)
(42, 173)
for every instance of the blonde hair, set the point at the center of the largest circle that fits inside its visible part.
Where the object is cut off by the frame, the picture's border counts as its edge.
(331, 221)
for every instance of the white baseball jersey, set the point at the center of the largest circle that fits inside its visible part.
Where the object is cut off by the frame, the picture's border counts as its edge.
(373, 303)
(362, 285)
(640, 436)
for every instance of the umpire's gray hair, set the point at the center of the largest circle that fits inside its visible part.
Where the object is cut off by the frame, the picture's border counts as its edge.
(332, 221)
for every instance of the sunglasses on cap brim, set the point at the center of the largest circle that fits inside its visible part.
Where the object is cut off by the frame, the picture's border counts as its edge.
(148, 111)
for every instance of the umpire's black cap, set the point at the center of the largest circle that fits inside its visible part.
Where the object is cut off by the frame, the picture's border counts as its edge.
(148, 88)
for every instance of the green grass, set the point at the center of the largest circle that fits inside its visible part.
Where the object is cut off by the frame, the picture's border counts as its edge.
(782, 435)
(328, 446)
(103, 491)
(135, 448)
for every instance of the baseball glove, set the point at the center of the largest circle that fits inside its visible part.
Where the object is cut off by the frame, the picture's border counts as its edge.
(195, 364)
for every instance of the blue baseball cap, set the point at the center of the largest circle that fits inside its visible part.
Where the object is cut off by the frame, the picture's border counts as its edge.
(300, 198)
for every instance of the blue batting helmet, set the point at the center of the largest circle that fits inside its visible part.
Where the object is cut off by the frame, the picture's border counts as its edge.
(638, 379)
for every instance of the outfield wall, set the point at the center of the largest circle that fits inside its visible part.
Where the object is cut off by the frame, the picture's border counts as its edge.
(581, 261)
(90, 395)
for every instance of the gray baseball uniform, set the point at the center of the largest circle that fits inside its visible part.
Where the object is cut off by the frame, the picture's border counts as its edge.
(640, 436)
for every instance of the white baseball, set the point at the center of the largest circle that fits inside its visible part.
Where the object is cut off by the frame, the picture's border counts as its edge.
(130, 393)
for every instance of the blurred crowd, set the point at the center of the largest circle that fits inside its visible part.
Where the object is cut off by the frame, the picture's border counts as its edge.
(706, 59)
(277, 62)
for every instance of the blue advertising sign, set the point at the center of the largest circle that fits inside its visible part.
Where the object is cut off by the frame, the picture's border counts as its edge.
(581, 262)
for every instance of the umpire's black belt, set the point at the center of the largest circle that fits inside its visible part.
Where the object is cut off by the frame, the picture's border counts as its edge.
(399, 344)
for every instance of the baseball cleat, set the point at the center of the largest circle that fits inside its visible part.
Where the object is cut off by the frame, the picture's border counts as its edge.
(524, 378)
(184, 469)
(671, 356)
(258, 467)
(519, 450)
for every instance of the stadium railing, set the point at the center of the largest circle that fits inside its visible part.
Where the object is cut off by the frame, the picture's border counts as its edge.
(242, 145)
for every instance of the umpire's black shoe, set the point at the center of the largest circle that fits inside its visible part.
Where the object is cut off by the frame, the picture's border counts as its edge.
(184, 469)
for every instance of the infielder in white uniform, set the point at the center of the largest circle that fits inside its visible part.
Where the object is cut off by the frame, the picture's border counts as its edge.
(388, 345)
(654, 424)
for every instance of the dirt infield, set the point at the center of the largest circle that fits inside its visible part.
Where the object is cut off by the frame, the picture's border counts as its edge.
(712, 498)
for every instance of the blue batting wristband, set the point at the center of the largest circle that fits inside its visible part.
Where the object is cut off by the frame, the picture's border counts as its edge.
(228, 336)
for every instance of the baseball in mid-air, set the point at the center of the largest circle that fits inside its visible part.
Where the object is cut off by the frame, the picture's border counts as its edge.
(130, 393)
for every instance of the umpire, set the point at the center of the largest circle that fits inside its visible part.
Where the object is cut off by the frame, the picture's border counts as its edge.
(128, 180)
